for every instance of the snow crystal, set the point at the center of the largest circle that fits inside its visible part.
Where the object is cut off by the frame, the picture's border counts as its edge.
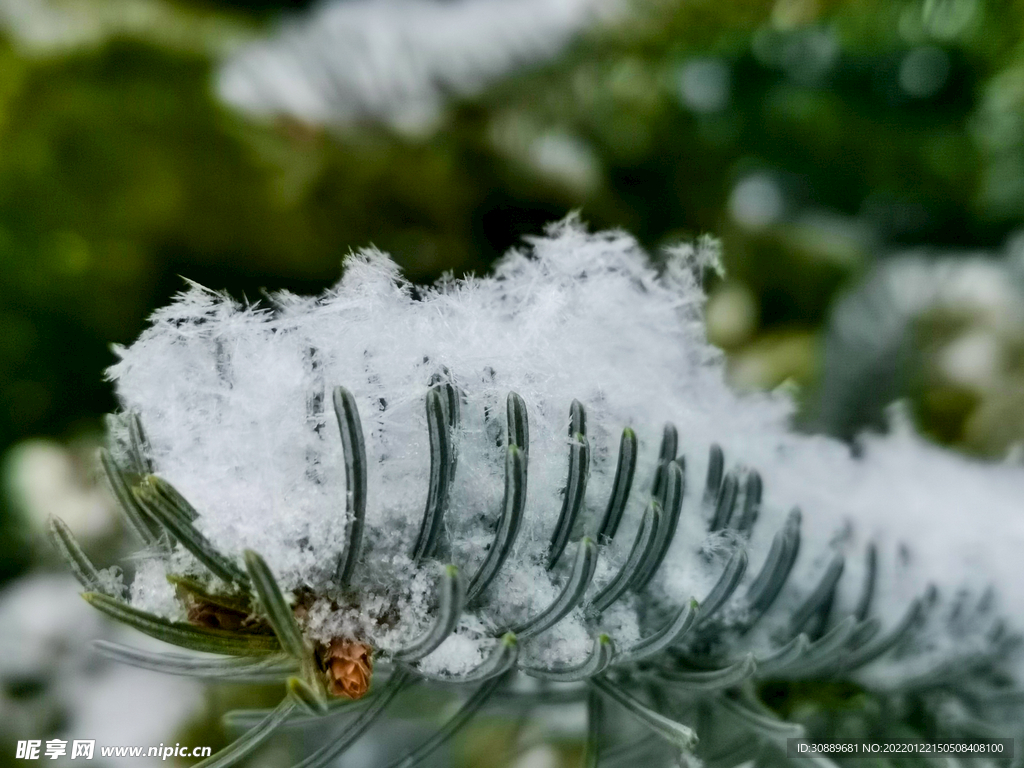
(457, 655)
(236, 403)
(150, 588)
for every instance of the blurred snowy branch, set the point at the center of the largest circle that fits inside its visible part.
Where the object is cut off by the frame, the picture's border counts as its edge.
(48, 27)
(945, 329)
(396, 61)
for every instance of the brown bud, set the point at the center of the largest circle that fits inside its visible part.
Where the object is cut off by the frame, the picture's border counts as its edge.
(349, 666)
(217, 617)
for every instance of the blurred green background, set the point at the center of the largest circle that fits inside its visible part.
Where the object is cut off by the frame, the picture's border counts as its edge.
(862, 162)
(818, 139)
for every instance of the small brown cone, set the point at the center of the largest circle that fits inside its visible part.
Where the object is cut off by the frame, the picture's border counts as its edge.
(349, 667)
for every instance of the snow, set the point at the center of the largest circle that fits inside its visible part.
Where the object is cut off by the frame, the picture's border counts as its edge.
(236, 403)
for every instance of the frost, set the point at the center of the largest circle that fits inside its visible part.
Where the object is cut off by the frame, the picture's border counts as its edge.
(236, 403)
